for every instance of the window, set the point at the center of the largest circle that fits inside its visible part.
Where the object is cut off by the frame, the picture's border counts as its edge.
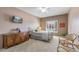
(52, 26)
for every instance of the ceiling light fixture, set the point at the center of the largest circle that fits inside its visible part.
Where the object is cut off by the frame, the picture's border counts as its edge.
(43, 9)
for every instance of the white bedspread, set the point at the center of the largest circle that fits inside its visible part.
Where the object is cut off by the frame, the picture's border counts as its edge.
(41, 35)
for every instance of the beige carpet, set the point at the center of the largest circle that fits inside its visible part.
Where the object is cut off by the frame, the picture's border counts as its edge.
(35, 46)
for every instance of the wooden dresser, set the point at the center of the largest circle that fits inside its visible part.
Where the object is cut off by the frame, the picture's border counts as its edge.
(12, 39)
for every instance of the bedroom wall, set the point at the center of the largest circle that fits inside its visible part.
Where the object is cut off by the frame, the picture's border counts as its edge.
(73, 21)
(6, 25)
(60, 18)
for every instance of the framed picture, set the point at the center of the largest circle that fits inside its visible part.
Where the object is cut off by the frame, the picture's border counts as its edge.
(17, 19)
(62, 25)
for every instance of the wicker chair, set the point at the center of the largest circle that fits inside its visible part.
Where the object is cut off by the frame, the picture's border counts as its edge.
(67, 43)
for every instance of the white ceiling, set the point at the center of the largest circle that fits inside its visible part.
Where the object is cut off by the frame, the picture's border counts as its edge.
(51, 11)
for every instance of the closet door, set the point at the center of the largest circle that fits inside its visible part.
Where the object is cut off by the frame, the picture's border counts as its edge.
(17, 39)
(23, 36)
(9, 40)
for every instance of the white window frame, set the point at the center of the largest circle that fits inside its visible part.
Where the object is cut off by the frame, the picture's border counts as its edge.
(55, 22)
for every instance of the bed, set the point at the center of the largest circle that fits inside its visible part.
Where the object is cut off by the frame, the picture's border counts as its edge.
(41, 35)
